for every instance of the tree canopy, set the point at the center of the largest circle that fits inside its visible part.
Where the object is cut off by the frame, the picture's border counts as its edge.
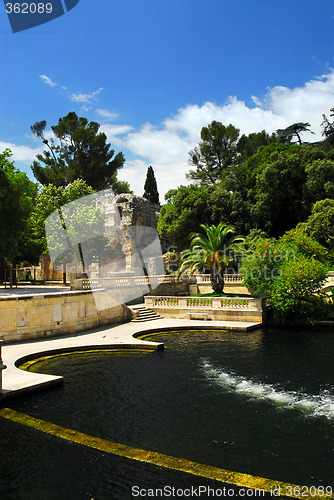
(17, 195)
(49, 200)
(295, 130)
(186, 208)
(214, 154)
(77, 151)
(290, 271)
(320, 224)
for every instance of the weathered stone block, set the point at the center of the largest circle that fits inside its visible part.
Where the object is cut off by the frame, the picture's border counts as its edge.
(21, 317)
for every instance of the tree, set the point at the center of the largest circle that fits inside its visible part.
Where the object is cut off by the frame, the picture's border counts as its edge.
(210, 251)
(320, 224)
(290, 271)
(186, 208)
(17, 194)
(214, 154)
(278, 196)
(78, 151)
(328, 127)
(49, 201)
(248, 145)
(286, 135)
(150, 188)
(320, 179)
(281, 182)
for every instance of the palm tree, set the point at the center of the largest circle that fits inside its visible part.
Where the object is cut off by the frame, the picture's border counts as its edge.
(210, 251)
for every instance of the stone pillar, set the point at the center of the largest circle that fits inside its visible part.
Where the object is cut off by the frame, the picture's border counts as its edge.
(127, 251)
(2, 366)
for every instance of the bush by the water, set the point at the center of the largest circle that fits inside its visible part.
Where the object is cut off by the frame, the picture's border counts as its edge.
(291, 271)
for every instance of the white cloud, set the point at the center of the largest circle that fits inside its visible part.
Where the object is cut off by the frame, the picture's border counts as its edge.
(114, 131)
(21, 154)
(304, 103)
(105, 113)
(85, 108)
(47, 80)
(87, 98)
(166, 147)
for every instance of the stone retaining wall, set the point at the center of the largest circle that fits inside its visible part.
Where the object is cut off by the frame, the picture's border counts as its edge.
(28, 317)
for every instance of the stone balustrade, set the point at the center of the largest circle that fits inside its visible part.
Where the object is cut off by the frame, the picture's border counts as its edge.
(211, 302)
(218, 308)
(121, 282)
(228, 278)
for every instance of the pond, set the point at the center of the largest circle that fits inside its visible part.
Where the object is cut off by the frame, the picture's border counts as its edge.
(260, 403)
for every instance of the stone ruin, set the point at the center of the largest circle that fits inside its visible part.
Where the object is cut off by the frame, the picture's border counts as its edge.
(133, 214)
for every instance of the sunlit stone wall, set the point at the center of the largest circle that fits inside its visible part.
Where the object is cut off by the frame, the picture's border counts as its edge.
(36, 316)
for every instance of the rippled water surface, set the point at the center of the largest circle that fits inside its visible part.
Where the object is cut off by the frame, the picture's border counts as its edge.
(259, 403)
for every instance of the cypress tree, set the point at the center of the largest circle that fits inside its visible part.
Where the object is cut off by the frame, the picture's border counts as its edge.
(150, 188)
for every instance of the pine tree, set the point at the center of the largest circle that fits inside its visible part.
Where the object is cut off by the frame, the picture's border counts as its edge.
(150, 188)
(77, 151)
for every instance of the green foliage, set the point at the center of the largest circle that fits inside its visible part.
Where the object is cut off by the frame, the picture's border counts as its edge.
(186, 208)
(50, 199)
(150, 188)
(121, 186)
(189, 206)
(76, 231)
(17, 194)
(286, 135)
(320, 179)
(284, 182)
(211, 251)
(278, 194)
(248, 145)
(293, 295)
(79, 151)
(320, 224)
(290, 271)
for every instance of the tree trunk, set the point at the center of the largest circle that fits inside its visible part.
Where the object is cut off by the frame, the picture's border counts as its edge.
(217, 281)
(64, 273)
(2, 270)
(11, 276)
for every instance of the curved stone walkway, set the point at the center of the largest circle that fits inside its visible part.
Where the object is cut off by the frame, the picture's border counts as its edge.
(16, 382)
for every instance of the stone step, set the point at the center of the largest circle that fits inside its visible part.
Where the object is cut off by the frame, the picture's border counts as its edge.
(144, 314)
(146, 319)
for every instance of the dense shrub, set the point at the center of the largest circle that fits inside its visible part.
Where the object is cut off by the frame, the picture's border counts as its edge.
(290, 271)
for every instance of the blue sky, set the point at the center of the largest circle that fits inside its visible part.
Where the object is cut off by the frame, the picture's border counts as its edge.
(154, 72)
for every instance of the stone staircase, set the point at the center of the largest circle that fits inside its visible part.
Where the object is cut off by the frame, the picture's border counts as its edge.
(142, 313)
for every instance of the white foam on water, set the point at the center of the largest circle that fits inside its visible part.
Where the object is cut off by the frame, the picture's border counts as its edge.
(312, 405)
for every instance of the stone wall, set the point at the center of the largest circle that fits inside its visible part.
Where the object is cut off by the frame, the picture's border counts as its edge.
(202, 288)
(177, 288)
(37, 316)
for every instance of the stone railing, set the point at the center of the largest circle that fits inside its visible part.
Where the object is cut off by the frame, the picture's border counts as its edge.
(205, 302)
(228, 278)
(245, 309)
(120, 282)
